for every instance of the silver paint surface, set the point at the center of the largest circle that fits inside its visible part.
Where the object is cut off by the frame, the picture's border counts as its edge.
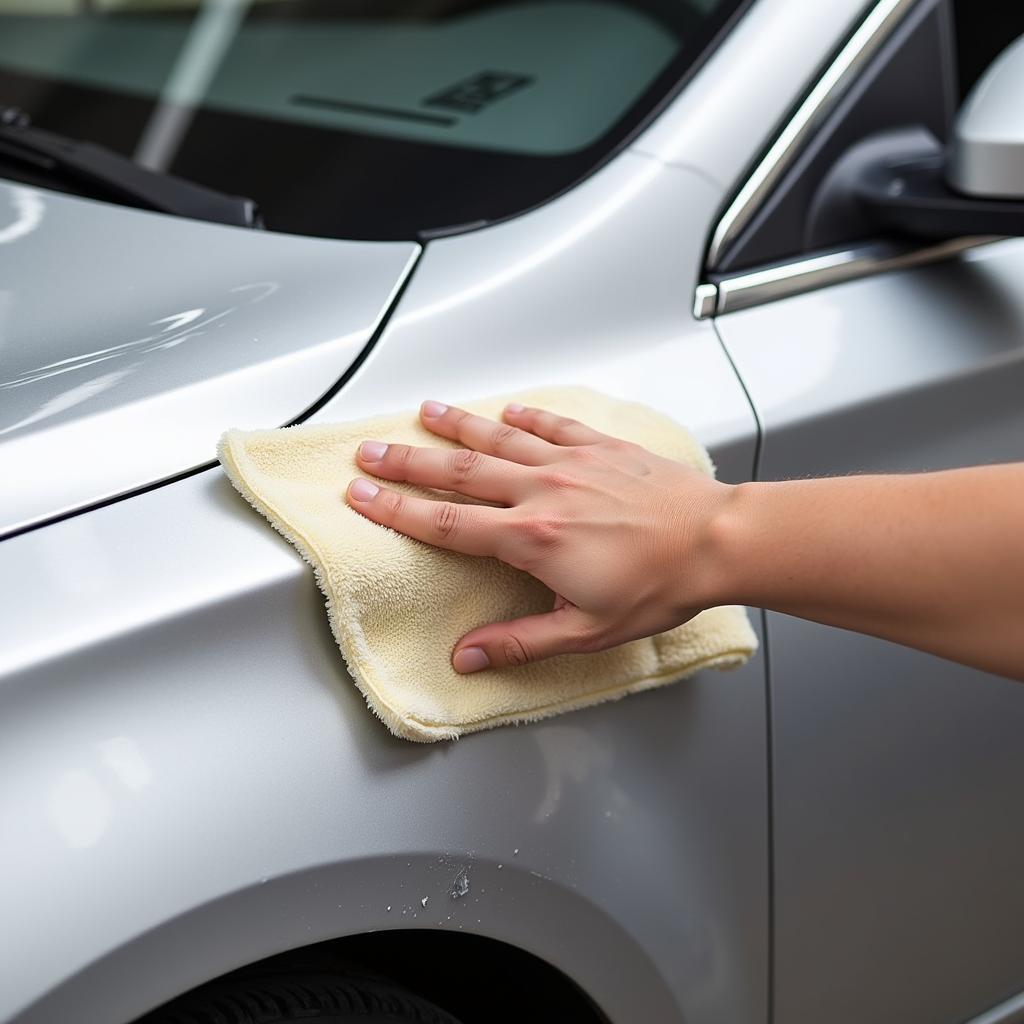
(129, 341)
(724, 119)
(898, 836)
(196, 782)
(557, 297)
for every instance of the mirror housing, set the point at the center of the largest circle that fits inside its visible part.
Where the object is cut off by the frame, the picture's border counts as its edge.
(986, 157)
(975, 187)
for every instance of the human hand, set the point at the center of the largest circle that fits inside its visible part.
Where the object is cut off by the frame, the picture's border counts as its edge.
(619, 534)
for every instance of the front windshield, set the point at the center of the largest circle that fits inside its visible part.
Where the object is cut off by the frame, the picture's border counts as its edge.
(355, 118)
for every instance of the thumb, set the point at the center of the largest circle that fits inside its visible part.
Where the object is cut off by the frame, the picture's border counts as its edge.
(520, 641)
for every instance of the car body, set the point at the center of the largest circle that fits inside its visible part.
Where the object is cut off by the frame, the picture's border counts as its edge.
(191, 783)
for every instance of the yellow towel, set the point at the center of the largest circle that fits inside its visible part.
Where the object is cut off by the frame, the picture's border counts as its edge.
(398, 606)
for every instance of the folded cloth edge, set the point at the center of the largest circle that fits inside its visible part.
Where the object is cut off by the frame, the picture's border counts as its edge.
(232, 454)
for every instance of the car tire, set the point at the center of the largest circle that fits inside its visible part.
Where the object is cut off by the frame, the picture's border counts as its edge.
(281, 999)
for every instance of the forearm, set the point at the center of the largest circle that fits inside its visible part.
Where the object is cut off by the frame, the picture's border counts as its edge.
(932, 560)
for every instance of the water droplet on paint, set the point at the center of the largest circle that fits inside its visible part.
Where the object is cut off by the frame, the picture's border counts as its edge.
(460, 886)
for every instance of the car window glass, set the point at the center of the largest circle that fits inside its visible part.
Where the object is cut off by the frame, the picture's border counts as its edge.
(441, 111)
(984, 28)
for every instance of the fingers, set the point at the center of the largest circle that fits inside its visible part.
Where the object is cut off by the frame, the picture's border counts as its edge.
(565, 630)
(459, 469)
(559, 430)
(471, 529)
(483, 435)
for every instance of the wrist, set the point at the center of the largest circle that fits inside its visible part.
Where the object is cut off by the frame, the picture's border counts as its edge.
(725, 559)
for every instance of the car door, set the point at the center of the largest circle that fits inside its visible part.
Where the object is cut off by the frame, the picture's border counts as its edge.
(897, 777)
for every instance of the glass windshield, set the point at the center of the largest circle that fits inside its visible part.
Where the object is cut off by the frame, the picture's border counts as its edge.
(356, 118)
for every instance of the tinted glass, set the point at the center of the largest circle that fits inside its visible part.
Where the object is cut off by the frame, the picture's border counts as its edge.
(356, 118)
(984, 28)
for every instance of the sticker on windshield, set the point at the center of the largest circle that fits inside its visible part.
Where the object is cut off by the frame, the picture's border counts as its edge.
(473, 94)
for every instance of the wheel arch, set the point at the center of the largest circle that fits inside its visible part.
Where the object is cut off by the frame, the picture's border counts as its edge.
(556, 941)
(473, 977)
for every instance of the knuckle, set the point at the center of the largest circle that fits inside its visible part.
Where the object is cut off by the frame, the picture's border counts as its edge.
(563, 428)
(464, 464)
(502, 434)
(543, 531)
(529, 542)
(617, 445)
(557, 480)
(584, 454)
(516, 652)
(401, 455)
(394, 502)
(447, 517)
(591, 638)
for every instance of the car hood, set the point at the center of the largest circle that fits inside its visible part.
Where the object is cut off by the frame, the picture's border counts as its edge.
(129, 341)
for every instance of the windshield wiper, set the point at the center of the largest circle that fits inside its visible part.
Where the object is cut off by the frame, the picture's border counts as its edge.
(96, 170)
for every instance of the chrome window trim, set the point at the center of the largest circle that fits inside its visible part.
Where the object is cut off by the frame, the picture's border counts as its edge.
(755, 287)
(1010, 1012)
(716, 295)
(826, 93)
(705, 301)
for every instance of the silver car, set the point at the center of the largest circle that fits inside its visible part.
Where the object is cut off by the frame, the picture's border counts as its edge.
(763, 218)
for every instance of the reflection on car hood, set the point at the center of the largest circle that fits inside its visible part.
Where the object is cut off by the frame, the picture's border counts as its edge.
(129, 340)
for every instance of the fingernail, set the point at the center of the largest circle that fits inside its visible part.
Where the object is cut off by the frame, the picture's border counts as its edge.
(433, 409)
(363, 490)
(514, 407)
(470, 659)
(372, 451)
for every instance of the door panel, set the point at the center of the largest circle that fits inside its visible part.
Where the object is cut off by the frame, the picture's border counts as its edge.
(898, 777)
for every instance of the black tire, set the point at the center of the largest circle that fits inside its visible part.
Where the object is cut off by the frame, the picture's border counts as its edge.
(281, 999)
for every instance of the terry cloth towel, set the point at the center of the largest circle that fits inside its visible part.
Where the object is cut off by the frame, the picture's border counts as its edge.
(398, 606)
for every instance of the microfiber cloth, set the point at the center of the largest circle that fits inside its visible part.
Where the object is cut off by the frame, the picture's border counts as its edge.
(398, 606)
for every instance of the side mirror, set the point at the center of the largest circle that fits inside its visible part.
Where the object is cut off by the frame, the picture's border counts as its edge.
(986, 158)
(977, 186)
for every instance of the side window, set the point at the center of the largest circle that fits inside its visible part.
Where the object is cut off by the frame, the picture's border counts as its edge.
(909, 83)
(984, 28)
(858, 182)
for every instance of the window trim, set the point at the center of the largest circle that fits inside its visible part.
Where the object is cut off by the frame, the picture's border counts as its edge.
(726, 293)
(733, 292)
